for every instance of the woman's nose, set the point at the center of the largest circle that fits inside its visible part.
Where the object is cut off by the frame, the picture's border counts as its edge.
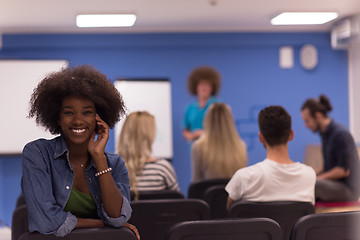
(78, 118)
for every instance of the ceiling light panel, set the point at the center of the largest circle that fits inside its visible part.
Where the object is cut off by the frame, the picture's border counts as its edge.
(105, 20)
(303, 18)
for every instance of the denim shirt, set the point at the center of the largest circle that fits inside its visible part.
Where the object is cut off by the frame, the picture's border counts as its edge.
(47, 179)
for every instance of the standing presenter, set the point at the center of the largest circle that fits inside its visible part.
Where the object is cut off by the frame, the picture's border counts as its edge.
(204, 83)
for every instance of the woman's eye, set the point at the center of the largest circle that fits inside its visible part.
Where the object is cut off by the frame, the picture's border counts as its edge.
(88, 112)
(68, 113)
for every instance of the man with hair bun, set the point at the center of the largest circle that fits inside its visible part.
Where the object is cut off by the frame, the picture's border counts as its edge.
(339, 181)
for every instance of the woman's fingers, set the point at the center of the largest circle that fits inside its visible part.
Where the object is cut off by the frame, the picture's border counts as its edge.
(97, 145)
(134, 229)
(103, 128)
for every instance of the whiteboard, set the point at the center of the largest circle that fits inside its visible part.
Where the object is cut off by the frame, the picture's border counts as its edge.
(153, 96)
(18, 79)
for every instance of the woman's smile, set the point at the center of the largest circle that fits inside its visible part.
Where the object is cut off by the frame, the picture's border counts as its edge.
(79, 131)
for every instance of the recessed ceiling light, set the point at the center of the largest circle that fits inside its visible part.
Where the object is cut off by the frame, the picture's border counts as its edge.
(303, 18)
(105, 20)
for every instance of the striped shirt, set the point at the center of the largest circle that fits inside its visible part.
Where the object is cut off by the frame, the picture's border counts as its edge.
(156, 176)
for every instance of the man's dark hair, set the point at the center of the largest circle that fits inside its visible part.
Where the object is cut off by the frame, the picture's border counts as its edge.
(275, 125)
(322, 105)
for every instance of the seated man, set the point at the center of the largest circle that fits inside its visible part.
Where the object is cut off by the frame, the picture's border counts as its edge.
(340, 179)
(277, 178)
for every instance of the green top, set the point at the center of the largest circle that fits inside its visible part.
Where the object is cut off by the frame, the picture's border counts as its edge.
(81, 205)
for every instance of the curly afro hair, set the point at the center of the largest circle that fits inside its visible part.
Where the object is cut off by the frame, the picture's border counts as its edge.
(204, 73)
(82, 81)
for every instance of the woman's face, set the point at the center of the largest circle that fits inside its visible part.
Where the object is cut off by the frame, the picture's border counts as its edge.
(204, 89)
(77, 119)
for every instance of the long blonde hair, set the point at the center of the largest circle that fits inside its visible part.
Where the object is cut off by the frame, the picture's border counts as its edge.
(135, 143)
(221, 149)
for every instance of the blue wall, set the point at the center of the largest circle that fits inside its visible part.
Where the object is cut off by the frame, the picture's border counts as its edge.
(248, 63)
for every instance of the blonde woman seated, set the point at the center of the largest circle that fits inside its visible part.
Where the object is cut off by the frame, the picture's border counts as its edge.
(220, 151)
(135, 147)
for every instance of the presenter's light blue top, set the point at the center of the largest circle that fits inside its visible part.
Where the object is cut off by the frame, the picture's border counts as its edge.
(194, 115)
(47, 178)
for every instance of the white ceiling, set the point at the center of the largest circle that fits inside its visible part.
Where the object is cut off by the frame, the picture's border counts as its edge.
(50, 16)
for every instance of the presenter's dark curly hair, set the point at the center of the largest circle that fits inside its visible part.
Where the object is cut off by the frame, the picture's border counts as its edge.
(82, 81)
(206, 73)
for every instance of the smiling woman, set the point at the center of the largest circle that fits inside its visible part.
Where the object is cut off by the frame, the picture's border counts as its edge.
(71, 181)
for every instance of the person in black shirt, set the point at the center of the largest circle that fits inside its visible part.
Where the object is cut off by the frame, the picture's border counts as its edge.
(339, 181)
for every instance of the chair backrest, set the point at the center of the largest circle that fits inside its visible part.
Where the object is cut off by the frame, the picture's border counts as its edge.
(153, 217)
(107, 233)
(165, 194)
(19, 224)
(20, 201)
(20, 230)
(313, 157)
(197, 189)
(286, 213)
(228, 229)
(216, 197)
(330, 226)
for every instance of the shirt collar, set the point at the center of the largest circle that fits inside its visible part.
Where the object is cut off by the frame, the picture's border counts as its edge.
(211, 100)
(60, 147)
(328, 128)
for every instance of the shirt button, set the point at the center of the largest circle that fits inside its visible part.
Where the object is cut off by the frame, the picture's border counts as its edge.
(67, 187)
